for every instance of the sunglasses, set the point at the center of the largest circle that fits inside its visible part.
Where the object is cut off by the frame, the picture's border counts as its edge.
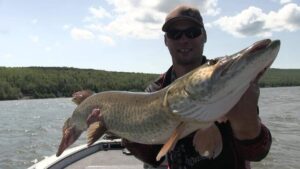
(191, 33)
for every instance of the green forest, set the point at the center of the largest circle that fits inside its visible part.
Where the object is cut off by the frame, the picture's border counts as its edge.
(50, 82)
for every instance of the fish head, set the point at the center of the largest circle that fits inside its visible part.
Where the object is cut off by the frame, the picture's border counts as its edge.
(83, 115)
(224, 81)
(248, 63)
(234, 73)
(70, 134)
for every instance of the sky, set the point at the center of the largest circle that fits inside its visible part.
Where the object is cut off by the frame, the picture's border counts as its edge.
(126, 36)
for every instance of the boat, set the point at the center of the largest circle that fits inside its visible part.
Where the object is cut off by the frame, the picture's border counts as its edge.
(103, 154)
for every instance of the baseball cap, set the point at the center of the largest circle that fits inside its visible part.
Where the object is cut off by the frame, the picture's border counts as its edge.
(183, 12)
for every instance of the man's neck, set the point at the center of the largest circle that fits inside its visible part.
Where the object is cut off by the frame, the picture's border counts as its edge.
(181, 70)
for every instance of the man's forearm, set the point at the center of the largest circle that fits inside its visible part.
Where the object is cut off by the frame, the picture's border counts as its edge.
(246, 129)
(257, 148)
(243, 117)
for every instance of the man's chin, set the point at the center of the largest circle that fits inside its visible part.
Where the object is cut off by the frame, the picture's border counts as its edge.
(188, 60)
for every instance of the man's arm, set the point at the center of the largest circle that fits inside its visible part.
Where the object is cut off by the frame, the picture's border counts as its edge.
(253, 139)
(255, 149)
(243, 117)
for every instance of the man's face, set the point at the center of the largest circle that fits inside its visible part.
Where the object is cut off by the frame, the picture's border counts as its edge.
(186, 51)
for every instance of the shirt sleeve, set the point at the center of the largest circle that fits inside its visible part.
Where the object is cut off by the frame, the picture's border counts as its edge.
(255, 149)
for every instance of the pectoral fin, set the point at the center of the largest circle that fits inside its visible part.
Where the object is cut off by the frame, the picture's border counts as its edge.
(93, 117)
(95, 131)
(170, 144)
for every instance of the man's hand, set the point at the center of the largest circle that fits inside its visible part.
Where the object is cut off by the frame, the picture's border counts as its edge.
(243, 117)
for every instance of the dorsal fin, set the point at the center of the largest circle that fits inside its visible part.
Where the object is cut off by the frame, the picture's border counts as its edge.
(79, 96)
(170, 144)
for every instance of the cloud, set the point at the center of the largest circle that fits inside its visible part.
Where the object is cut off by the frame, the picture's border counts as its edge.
(207, 7)
(66, 27)
(140, 24)
(34, 38)
(81, 34)
(96, 14)
(285, 1)
(143, 19)
(107, 40)
(286, 19)
(140, 19)
(282, 1)
(85, 34)
(254, 22)
(99, 12)
(96, 27)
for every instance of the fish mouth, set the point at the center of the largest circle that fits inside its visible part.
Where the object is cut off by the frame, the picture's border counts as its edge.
(247, 55)
(260, 45)
(70, 135)
(272, 47)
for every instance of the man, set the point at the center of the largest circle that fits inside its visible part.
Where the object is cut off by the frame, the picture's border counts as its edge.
(232, 143)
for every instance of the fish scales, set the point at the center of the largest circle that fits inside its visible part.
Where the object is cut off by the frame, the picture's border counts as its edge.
(145, 117)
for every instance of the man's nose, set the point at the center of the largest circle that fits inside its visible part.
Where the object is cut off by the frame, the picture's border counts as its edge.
(183, 38)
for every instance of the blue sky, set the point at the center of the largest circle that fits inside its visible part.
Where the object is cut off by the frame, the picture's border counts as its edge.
(125, 35)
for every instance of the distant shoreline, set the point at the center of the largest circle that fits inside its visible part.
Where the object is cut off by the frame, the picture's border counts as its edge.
(20, 83)
(31, 98)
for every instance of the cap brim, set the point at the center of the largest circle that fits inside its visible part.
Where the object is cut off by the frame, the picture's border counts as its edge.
(167, 25)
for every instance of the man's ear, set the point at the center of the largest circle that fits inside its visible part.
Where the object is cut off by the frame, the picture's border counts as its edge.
(204, 38)
(165, 39)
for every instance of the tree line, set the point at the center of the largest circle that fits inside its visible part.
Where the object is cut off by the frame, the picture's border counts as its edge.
(280, 77)
(50, 82)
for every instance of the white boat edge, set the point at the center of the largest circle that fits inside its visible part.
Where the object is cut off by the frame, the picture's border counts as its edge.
(74, 154)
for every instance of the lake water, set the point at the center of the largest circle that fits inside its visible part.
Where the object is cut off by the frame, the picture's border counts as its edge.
(31, 129)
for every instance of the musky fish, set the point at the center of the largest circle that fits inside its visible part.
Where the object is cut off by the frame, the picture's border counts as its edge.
(193, 101)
